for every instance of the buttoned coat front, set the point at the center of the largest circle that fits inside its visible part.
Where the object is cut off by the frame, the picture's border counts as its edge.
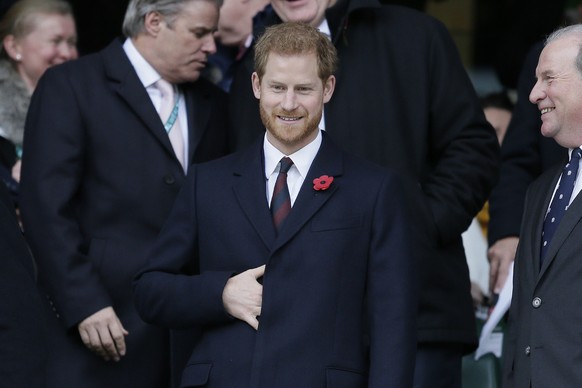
(544, 338)
(339, 291)
(99, 177)
(403, 100)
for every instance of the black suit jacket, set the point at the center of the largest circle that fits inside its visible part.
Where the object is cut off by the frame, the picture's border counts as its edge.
(339, 268)
(543, 344)
(403, 100)
(22, 330)
(98, 179)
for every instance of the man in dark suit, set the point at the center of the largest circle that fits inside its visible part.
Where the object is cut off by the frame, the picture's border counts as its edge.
(543, 346)
(404, 101)
(325, 297)
(23, 348)
(109, 138)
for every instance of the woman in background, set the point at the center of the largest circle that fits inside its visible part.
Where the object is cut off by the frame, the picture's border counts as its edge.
(35, 35)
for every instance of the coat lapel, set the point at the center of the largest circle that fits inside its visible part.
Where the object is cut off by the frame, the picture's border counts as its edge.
(567, 225)
(251, 186)
(328, 161)
(126, 83)
(250, 191)
(198, 110)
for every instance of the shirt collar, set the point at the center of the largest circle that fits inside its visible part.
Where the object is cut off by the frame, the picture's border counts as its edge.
(302, 158)
(146, 73)
(324, 28)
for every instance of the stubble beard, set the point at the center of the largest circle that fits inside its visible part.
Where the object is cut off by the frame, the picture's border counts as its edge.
(292, 135)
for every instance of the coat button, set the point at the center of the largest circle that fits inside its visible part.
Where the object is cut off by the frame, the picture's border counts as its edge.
(536, 302)
(169, 179)
(527, 350)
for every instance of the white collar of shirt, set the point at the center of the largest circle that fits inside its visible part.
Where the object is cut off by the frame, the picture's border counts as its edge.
(248, 41)
(324, 28)
(302, 160)
(148, 77)
(145, 72)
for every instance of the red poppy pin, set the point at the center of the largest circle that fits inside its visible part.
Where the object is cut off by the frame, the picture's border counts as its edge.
(322, 183)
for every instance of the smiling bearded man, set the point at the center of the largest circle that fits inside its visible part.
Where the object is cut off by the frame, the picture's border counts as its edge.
(316, 289)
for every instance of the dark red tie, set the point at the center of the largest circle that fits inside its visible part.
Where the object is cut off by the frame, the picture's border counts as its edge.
(281, 201)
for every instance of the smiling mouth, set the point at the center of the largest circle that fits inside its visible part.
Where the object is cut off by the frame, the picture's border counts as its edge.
(289, 119)
(546, 110)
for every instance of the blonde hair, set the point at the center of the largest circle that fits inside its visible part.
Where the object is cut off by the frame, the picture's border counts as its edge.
(20, 18)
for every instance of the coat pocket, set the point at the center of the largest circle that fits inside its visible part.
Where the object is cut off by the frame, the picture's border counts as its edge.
(343, 378)
(195, 375)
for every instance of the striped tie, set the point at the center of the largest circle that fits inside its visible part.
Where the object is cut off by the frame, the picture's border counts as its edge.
(281, 201)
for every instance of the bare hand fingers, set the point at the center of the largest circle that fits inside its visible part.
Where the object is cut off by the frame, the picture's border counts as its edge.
(502, 274)
(95, 344)
(118, 333)
(493, 268)
(253, 322)
(259, 271)
(103, 333)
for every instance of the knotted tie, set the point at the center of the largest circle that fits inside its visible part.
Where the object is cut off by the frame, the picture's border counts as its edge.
(169, 115)
(281, 201)
(560, 201)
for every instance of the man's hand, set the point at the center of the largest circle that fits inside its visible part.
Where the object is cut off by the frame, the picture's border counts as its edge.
(104, 334)
(501, 255)
(243, 296)
(16, 170)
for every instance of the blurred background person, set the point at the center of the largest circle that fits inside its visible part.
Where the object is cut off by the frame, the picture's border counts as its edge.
(35, 34)
(233, 37)
(498, 109)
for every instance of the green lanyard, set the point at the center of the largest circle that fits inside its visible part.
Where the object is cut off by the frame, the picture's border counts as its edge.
(173, 116)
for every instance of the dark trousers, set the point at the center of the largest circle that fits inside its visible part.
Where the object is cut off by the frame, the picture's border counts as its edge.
(438, 366)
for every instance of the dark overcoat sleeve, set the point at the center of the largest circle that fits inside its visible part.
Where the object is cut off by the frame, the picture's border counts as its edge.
(22, 333)
(52, 176)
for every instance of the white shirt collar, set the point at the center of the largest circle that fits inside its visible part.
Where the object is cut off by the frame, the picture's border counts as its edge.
(302, 158)
(324, 28)
(248, 41)
(146, 73)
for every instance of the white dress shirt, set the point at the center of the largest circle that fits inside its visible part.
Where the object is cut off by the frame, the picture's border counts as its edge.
(302, 160)
(148, 77)
(324, 28)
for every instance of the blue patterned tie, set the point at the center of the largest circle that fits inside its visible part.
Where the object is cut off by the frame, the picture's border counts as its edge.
(281, 201)
(560, 201)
